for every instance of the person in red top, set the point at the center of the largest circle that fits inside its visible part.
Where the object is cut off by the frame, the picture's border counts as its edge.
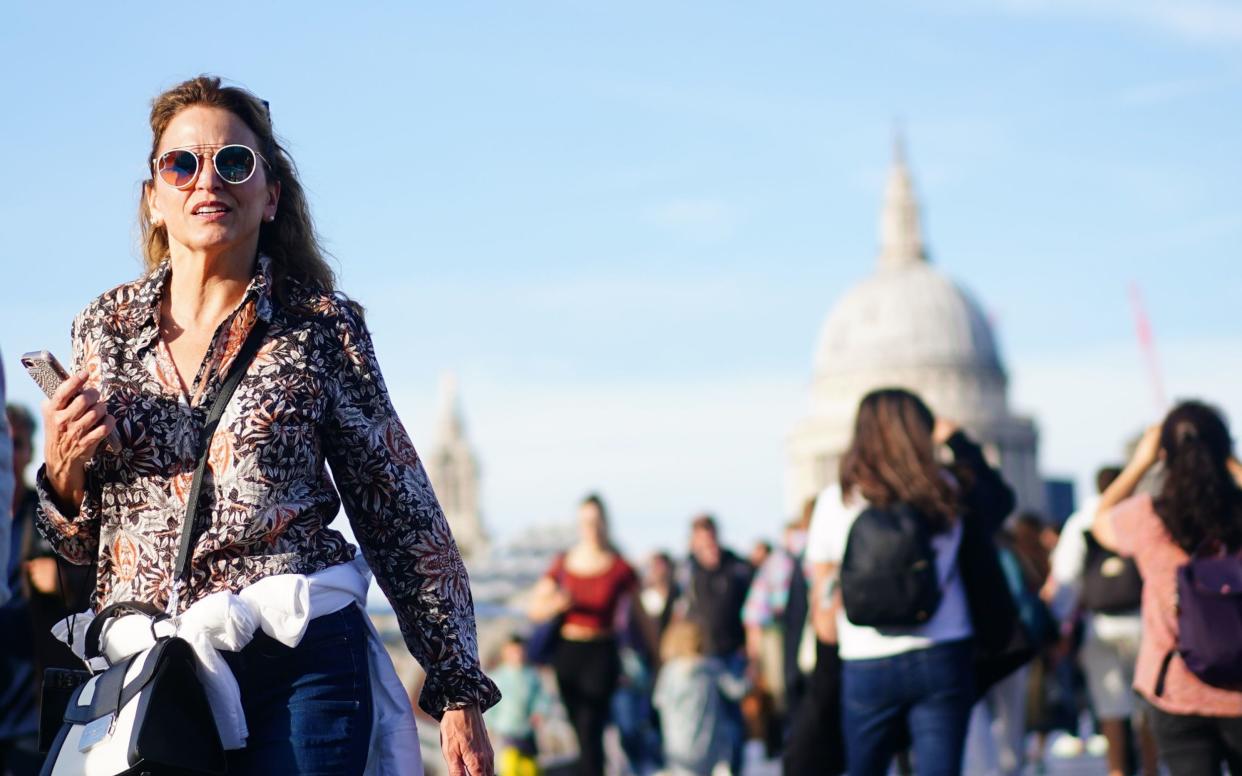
(1198, 727)
(586, 587)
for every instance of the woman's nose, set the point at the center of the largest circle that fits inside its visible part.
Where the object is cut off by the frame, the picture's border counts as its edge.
(208, 179)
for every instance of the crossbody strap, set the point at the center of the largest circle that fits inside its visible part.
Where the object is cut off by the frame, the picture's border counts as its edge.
(236, 371)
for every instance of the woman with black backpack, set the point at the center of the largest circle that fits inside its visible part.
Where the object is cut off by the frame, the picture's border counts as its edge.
(924, 620)
(1186, 542)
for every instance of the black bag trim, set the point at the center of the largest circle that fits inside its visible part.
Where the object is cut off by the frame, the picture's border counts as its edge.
(110, 697)
(162, 741)
(53, 752)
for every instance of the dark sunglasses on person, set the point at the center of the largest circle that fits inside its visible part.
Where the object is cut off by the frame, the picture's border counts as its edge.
(234, 164)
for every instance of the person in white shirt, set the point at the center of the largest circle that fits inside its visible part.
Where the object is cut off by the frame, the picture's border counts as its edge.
(921, 678)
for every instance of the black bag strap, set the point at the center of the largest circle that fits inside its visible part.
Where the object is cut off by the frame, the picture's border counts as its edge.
(236, 371)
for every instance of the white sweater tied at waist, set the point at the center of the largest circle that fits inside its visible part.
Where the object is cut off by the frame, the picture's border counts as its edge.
(282, 606)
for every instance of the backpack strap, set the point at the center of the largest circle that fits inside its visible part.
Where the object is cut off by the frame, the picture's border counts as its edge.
(1164, 671)
(236, 371)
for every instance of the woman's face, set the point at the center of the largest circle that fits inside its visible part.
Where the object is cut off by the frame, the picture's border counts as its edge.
(658, 571)
(211, 216)
(591, 524)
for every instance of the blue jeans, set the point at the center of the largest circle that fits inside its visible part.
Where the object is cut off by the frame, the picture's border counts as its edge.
(308, 708)
(927, 692)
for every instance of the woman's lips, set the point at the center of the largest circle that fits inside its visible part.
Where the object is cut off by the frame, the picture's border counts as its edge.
(210, 211)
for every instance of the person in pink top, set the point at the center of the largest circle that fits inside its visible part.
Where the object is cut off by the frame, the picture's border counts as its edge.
(1198, 727)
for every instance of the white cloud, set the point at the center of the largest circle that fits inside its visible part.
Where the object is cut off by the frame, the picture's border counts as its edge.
(1213, 21)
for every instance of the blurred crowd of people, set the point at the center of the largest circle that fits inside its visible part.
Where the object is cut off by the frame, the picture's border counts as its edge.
(910, 620)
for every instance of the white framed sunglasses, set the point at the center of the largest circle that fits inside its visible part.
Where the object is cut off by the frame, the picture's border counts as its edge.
(234, 163)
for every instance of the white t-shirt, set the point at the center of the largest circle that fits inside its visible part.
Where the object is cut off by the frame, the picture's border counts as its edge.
(826, 540)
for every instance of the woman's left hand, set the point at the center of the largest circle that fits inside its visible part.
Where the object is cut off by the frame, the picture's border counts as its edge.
(463, 738)
(1147, 451)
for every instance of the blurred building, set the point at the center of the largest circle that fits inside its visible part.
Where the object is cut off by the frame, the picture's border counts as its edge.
(454, 472)
(908, 325)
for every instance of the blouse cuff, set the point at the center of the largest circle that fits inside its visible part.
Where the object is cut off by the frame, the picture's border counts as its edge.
(62, 519)
(442, 692)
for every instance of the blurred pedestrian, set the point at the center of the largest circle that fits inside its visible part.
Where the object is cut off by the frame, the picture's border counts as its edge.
(815, 745)
(19, 751)
(760, 553)
(54, 587)
(715, 592)
(996, 743)
(515, 720)
(651, 616)
(694, 693)
(1196, 513)
(763, 615)
(1107, 591)
(657, 598)
(586, 588)
(923, 678)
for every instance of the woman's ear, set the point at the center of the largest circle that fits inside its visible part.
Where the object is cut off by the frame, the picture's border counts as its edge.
(273, 199)
(153, 211)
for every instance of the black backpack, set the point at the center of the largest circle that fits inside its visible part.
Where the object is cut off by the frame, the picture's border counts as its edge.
(888, 575)
(1110, 584)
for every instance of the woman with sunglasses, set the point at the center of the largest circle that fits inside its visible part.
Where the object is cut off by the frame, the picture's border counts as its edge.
(228, 243)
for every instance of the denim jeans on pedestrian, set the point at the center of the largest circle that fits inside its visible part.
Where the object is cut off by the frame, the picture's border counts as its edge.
(928, 692)
(308, 708)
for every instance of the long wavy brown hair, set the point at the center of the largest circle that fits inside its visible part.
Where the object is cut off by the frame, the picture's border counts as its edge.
(290, 240)
(892, 458)
(1199, 501)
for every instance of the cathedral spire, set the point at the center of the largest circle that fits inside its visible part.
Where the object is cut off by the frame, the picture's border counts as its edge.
(901, 236)
(454, 472)
(449, 426)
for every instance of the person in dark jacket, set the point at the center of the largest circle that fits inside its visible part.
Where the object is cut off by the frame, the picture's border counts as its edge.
(714, 592)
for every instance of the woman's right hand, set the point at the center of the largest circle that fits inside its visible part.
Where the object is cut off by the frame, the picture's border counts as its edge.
(76, 422)
(560, 602)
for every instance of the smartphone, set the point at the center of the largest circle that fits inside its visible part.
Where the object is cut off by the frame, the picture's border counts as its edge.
(49, 374)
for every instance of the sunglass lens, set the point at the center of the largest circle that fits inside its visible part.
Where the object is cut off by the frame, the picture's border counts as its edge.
(177, 168)
(234, 163)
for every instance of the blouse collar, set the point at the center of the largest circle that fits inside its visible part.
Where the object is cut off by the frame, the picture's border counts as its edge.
(151, 289)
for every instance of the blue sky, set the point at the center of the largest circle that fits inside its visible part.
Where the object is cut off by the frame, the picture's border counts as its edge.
(623, 225)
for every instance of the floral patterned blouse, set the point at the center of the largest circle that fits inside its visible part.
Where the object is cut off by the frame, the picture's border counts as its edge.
(312, 395)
